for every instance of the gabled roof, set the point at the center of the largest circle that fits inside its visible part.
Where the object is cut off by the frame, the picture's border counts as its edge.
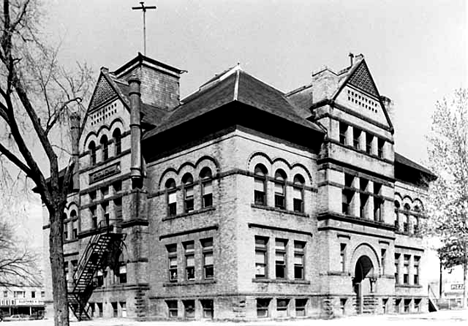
(233, 85)
(400, 159)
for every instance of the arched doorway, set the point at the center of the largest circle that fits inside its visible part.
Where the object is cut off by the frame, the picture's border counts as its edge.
(362, 282)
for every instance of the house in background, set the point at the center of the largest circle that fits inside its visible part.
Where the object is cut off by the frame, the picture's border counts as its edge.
(25, 300)
(240, 201)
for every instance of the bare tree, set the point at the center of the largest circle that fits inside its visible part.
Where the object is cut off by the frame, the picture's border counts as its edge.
(37, 99)
(448, 204)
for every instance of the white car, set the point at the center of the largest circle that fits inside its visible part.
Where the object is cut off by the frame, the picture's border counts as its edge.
(16, 318)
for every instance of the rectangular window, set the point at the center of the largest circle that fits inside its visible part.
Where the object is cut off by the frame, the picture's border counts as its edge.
(172, 257)
(99, 278)
(189, 306)
(397, 305)
(377, 188)
(122, 273)
(363, 183)
(259, 194)
(74, 264)
(263, 306)
(207, 249)
(363, 205)
(299, 253)
(104, 191)
(343, 305)
(92, 212)
(172, 308)
(105, 210)
(301, 307)
(407, 304)
(65, 231)
(380, 147)
(280, 258)
(280, 197)
(19, 294)
(33, 294)
(115, 309)
(369, 140)
(282, 307)
(342, 257)
(172, 203)
(406, 269)
(92, 195)
(261, 246)
(188, 199)
(397, 268)
(117, 186)
(207, 194)
(343, 131)
(5, 294)
(207, 308)
(298, 200)
(417, 305)
(67, 278)
(377, 209)
(349, 180)
(356, 138)
(118, 208)
(347, 198)
(416, 270)
(75, 229)
(383, 256)
(406, 223)
(189, 248)
(42, 294)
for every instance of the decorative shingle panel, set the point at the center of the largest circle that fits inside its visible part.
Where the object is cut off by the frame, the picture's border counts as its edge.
(362, 79)
(102, 94)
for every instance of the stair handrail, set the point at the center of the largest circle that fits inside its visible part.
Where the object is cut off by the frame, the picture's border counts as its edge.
(103, 225)
(430, 291)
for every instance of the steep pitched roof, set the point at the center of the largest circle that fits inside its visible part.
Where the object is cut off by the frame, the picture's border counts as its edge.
(233, 85)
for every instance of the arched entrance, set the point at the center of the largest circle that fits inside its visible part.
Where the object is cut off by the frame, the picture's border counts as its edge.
(362, 282)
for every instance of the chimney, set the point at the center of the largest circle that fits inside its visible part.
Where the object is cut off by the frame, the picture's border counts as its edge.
(75, 134)
(351, 58)
(135, 130)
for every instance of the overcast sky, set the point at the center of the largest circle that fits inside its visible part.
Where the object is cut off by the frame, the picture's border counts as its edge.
(416, 50)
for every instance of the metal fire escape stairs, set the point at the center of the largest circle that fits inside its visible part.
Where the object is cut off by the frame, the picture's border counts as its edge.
(96, 256)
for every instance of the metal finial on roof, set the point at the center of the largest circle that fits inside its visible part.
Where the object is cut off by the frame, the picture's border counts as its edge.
(144, 8)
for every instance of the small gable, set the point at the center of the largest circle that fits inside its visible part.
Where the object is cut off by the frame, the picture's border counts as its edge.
(102, 93)
(361, 78)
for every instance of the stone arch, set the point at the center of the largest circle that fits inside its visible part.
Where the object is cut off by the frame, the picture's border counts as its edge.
(298, 168)
(364, 249)
(206, 161)
(168, 174)
(92, 136)
(259, 157)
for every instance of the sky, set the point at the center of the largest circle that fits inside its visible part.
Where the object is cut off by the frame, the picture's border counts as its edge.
(416, 50)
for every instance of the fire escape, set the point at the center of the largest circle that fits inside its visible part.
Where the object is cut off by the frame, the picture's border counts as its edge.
(103, 248)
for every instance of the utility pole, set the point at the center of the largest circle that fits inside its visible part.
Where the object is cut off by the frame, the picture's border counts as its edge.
(144, 8)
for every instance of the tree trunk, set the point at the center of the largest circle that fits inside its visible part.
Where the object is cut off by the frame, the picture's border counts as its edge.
(465, 275)
(59, 283)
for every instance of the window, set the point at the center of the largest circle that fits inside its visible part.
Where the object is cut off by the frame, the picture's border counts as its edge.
(298, 193)
(301, 307)
(105, 210)
(407, 304)
(189, 306)
(189, 248)
(343, 131)
(19, 294)
(74, 224)
(118, 208)
(207, 306)
(92, 212)
(349, 180)
(187, 180)
(380, 147)
(299, 260)
(172, 307)
(347, 198)
(100, 278)
(104, 191)
(263, 307)
(172, 257)
(207, 250)
(99, 305)
(417, 305)
(117, 185)
(363, 205)
(42, 294)
(343, 305)
(282, 307)
(280, 258)
(104, 148)
(171, 197)
(406, 226)
(356, 138)
(343, 256)
(92, 153)
(397, 215)
(260, 185)
(5, 294)
(92, 195)
(261, 246)
(117, 136)
(397, 305)
(115, 309)
(397, 268)
(65, 227)
(377, 188)
(383, 255)
(369, 140)
(406, 269)
(280, 189)
(122, 273)
(207, 187)
(416, 220)
(363, 183)
(377, 209)
(416, 270)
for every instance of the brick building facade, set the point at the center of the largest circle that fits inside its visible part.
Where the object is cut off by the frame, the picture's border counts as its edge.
(240, 201)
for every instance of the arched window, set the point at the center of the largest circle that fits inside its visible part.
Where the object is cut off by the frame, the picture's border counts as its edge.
(65, 226)
(187, 181)
(397, 215)
(298, 193)
(104, 148)
(117, 136)
(122, 270)
(74, 222)
(416, 221)
(260, 184)
(92, 153)
(406, 222)
(206, 187)
(171, 197)
(280, 189)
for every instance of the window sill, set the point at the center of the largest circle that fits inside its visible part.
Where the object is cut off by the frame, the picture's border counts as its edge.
(279, 210)
(185, 283)
(408, 286)
(200, 211)
(282, 281)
